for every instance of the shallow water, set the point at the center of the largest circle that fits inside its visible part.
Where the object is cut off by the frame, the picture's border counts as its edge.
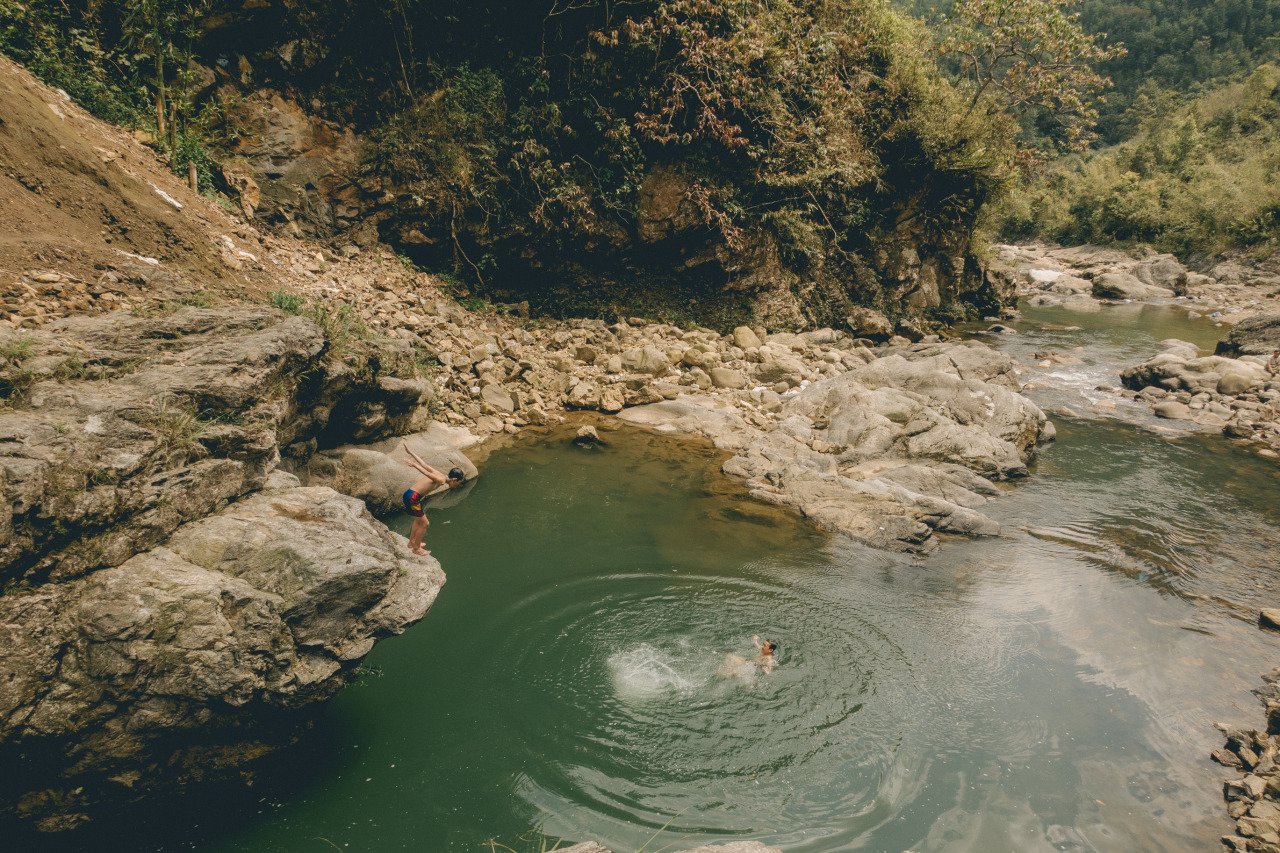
(1099, 345)
(1052, 689)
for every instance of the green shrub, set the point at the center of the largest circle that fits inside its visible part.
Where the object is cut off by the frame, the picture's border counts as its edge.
(290, 303)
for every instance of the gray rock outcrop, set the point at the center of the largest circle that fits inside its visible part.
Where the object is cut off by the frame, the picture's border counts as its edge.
(129, 426)
(1253, 336)
(174, 601)
(1253, 800)
(378, 473)
(1239, 397)
(887, 452)
(1123, 285)
(237, 620)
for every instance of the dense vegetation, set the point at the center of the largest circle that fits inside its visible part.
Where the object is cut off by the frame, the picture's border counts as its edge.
(729, 138)
(1175, 45)
(1170, 46)
(1196, 177)
(781, 140)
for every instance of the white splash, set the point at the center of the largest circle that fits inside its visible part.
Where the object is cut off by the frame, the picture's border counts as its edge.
(646, 672)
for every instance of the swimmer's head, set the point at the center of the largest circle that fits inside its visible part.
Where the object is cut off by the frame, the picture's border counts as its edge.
(456, 478)
(769, 647)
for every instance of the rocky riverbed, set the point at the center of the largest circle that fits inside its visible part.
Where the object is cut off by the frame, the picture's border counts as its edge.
(1235, 391)
(1082, 278)
(196, 428)
(1253, 801)
(905, 441)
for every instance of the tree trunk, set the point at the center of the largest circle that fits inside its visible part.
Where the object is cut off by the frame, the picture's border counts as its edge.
(173, 126)
(193, 177)
(160, 99)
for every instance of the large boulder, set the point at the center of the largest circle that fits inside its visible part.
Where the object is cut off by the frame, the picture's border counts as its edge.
(647, 359)
(128, 426)
(1258, 335)
(236, 624)
(1163, 271)
(1123, 285)
(1173, 370)
(888, 452)
(379, 473)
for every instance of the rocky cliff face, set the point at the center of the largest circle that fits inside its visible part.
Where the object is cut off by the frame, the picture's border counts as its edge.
(169, 598)
(477, 153)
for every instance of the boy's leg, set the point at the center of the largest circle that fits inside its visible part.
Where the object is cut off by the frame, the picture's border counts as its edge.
(416, 533)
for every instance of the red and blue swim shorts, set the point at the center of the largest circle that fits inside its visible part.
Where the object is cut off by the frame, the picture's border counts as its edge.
(413, 503)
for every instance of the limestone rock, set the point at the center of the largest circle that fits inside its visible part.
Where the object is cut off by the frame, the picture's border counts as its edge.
(497, 397)
(1174, 371)
(187, 415)
(1172, 410)
(1253, 336)
(379, 473)
(239, 619)
(744, 337)
(724, 377)
(648, 359)
(887, 452)
(1122, 285)
(869, 323)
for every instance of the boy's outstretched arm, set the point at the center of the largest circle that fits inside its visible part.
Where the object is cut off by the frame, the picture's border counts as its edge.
(427, 470)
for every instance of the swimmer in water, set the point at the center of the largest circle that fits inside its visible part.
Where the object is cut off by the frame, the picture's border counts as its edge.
(736, 666)
(766, 660)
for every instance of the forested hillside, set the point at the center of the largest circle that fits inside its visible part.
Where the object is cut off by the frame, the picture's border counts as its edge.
(684, 151)
(1195, 178)
(1170, 45)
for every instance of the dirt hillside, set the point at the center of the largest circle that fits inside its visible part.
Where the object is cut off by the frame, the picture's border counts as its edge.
(88, 204)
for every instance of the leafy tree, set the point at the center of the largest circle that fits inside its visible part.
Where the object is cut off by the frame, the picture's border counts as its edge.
(1027, 56)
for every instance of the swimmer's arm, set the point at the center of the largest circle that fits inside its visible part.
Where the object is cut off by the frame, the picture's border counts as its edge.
(755, 640)
(416, 462)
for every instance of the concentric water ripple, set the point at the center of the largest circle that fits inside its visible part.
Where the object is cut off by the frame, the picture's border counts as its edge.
(632, 666)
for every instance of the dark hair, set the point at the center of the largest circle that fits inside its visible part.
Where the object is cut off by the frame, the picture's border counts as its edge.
(457, 474)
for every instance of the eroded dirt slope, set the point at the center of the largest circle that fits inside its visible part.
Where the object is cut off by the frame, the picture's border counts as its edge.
(87, 201)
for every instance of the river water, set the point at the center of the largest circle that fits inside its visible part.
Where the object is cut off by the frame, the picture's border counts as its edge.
(1052, 689)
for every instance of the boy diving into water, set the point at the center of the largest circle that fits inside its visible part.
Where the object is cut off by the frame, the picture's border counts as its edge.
(431, 481)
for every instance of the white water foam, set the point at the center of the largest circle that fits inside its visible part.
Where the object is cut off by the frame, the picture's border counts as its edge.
(646, 672)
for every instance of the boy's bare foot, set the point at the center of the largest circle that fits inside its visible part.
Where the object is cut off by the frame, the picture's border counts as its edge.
(420, 552)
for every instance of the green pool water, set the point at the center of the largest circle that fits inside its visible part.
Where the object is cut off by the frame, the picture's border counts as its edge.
(1051, 689)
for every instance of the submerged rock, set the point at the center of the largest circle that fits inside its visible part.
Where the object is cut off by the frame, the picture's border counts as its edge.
(731, 847)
